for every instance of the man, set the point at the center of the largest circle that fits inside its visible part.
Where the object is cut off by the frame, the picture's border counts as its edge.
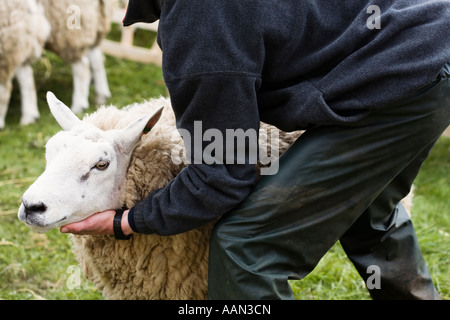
(367, 80)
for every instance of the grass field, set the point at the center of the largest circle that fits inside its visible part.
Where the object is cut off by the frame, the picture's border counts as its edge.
(42, 266)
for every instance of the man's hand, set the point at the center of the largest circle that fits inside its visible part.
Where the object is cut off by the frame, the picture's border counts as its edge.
(97, 224)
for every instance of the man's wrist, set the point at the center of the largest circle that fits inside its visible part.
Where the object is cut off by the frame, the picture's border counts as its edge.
(126, 229)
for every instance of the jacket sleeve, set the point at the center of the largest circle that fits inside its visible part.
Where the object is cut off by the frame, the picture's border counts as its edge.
(203, 192)
(212, 72)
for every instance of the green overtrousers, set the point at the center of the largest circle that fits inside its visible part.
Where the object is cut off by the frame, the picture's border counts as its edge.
(336, 183)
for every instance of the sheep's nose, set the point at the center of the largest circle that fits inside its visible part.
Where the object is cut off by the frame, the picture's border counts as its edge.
(33, 209)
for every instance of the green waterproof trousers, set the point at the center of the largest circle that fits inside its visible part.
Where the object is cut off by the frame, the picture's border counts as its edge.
(336, 183)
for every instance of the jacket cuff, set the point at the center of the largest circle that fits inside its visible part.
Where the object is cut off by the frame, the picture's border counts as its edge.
(141, 11)
(131, 220)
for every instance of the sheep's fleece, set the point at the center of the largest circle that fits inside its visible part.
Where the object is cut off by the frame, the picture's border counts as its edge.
(149, 266)
(24, 18)
(71, 43)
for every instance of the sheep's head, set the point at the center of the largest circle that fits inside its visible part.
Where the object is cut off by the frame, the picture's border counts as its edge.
(85, 170)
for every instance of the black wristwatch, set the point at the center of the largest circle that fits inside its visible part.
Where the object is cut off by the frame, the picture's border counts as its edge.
(117, 226)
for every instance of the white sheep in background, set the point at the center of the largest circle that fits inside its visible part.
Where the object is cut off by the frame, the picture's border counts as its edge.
(104, 161)
(72, 29)
(78, 26)
(23, 32)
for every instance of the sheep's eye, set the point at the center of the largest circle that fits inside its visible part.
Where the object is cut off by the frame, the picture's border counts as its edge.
(102, 165)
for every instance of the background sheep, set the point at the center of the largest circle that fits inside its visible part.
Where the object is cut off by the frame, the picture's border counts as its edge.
(23, 32)
(78, 26)
(72, 29)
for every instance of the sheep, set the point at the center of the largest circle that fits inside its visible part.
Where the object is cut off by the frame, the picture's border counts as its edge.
(157, 267)
(23, 32)
(78, 26)
(75, 183)
(72, 29)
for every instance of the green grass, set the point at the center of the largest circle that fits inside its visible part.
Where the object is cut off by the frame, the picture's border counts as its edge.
(34, 266)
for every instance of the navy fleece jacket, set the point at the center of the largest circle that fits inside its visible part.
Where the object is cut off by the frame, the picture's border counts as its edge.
(293, 63)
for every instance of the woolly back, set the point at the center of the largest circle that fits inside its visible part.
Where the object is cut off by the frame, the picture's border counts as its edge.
(23, 31)
(84, 24)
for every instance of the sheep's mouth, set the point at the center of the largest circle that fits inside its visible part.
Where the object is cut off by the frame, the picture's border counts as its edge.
(56, 224)
(65, 218)
(46, 225)
(41, 227)
(59, 221)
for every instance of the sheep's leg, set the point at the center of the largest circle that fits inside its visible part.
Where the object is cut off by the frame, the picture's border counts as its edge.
(28, 95)
(5, 94)
(81, 83)
(101, 86)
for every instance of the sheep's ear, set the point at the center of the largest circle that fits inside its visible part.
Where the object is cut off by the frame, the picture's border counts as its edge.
(153, 120)
(130, 135)
(62, 113)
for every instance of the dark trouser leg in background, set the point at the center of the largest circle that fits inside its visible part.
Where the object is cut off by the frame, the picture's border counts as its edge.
(327, 180)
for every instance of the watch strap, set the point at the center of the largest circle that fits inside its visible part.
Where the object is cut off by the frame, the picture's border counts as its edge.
(117, 226)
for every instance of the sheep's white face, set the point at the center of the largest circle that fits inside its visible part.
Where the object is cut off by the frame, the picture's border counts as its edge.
(84, 174)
